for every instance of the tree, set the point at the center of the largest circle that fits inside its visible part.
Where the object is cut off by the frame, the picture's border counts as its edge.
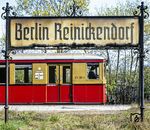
(126, 61)
(2, 46)
(147, 82)
(51, 7)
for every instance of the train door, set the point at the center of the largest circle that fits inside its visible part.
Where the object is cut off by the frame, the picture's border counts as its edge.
(60, 85)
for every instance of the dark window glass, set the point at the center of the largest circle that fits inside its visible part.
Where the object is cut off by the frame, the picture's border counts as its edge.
(93, 70)
(52, 74)
(2, 75)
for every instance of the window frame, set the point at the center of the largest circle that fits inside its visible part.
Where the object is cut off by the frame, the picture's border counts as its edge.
(26, 73)
(97, 70)
(64, 76)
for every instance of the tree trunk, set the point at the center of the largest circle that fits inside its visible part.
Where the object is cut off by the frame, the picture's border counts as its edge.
(118, 57)
(109, 67)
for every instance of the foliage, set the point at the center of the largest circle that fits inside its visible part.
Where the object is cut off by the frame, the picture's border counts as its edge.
(2, 44)
(147, 82)
(126, 8)
(122, 70)
(49, 7)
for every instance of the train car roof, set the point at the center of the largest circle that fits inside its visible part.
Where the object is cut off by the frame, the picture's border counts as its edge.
(56, 56)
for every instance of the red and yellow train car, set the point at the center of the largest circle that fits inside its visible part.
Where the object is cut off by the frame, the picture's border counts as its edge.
(54, 78)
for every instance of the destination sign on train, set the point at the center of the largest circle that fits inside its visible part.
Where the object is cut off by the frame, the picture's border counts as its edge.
(51, 31)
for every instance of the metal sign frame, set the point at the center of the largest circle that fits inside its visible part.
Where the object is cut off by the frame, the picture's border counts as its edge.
(141, 14)
(75, 43)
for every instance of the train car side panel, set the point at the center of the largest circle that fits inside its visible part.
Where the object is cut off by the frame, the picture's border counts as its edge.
(12, 73)
(39, 94)
(65, 93)
(88, 93)
(27, 94)
(20, 94)
(104, 94)
(80, 74)
(2, 94)
(40, 73)
(52, 93)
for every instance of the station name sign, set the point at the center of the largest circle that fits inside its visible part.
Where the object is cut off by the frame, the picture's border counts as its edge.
(103, 31)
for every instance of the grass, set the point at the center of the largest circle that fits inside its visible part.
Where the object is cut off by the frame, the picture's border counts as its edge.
(73, 121)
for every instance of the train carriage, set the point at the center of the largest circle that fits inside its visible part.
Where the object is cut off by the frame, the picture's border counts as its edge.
(54, 78)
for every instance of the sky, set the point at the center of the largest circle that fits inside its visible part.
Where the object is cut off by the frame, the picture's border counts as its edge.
(2, 22)
(94, 4)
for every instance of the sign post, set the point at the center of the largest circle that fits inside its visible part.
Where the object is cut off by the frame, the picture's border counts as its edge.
(143, 14)
(5, 15)
(141, 60)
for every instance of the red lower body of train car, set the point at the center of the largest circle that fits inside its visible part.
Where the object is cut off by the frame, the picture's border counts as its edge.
(41, 94)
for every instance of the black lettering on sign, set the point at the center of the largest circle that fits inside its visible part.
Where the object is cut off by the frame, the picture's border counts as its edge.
(36, 32)
(18, 32)
(88, 31)
(58, 31)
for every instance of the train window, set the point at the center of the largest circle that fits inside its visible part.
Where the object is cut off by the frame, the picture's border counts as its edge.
(23, 74)
(52, 74)
(66, 74)
(2, 74)
(93, 70)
